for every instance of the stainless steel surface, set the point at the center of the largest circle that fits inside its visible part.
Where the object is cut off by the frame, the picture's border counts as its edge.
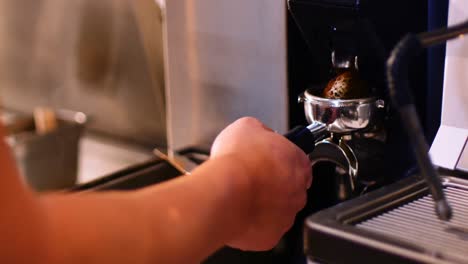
(175, 162)
(351, 160)
(416, 222)
(344, 61)
(318, 130)
(48, 161)
(341, 116)
(149, 17)
(101, 156)
(225, 59)
(88, 56)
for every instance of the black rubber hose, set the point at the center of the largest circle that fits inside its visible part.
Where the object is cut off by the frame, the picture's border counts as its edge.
(398, 85)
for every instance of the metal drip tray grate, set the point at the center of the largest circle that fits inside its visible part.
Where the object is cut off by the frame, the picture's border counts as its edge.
(395, 224)
(416, 223)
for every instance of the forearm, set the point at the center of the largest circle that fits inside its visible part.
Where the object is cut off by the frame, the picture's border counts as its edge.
(202, 212)
(95, 228)
(229, 199)
(180, 221)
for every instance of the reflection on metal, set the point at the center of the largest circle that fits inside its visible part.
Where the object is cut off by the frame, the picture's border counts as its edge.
(341, 116)
(416, 224)
(149, 17)
(171, 161)
(101, 156)
(47, 158)
(90, 56)
(225, 59)
(340, 154)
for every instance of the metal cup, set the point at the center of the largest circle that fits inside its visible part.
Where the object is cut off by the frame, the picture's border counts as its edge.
(341, 116)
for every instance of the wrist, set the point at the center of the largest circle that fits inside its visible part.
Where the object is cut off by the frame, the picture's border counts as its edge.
(235, 191)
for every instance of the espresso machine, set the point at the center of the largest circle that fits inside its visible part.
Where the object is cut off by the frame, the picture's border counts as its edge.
(421, 219)
(192, 67)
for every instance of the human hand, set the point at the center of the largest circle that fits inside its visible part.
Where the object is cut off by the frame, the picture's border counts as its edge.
(279, 174)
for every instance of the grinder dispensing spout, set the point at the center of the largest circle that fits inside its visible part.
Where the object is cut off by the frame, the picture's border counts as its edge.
(397, 78)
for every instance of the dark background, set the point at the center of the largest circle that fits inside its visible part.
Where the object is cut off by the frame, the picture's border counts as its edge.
(391, 20)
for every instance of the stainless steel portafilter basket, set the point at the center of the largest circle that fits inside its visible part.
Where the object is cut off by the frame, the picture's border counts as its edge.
(329, 120)
(341, 116)
(335, 116)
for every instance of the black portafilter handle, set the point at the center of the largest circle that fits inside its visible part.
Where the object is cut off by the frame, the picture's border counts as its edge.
(398, 85)
(306, 137)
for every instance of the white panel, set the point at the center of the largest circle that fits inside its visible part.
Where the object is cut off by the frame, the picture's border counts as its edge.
(447, 146)
(463, 162)
(451, 138)
(455, 109)
(225, 59)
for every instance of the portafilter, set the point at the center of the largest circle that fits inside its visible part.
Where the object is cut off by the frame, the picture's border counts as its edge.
(324, 139)
(333, 116)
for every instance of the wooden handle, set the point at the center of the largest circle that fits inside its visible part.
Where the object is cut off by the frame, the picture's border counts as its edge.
(45, 120)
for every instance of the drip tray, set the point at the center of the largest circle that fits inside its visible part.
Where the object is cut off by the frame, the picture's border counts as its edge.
(396, 224)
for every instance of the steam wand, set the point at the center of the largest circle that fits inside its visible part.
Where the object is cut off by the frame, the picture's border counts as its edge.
(397, 78)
